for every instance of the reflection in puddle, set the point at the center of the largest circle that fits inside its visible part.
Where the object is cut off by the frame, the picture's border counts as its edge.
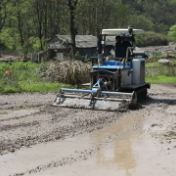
(117, 156)
(117, 153)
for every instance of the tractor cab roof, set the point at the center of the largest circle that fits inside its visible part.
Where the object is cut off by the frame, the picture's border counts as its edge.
(122, 32)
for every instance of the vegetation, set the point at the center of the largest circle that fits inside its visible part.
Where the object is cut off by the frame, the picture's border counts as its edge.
(160, 73)
(26, 77)
(157, 55)
(25, 25)
(32, 77)
(151, 39)
(161, 79)
(172, 33)
(70, 72)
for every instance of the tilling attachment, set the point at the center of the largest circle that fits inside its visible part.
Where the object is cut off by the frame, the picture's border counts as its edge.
(95, 99)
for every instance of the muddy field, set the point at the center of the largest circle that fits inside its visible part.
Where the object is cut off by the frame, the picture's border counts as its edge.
(38, 139)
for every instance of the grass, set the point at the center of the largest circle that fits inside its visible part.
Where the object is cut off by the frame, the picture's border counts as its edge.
(159, 73)
(26, 77)
(161, 79)
(43, 87)
(46, 77)
(157, 56)
(154, 65)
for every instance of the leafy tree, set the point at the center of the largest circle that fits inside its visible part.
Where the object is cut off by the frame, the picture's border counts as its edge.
(39, 18)
(24, 20)
(3, 13)
(140, 21)
(172, 33)
(10, 38)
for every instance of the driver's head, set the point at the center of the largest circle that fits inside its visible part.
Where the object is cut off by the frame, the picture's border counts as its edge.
(118, 38)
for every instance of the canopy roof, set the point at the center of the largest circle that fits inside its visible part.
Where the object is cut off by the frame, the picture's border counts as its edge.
(121, 31)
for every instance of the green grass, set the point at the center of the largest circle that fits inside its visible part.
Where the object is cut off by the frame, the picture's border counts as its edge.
(160, 73)
(157, 56)
(154, 65)
(43, 87)
(25, 77)
(161, 79)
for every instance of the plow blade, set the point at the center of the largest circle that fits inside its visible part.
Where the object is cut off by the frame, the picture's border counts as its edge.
(110, 101)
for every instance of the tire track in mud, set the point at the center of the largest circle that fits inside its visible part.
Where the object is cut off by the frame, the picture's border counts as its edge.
(11, 101)
(87, 153)
(21, 117)
(81, 155)
(13, 127)
(63, 123)
(41, 131)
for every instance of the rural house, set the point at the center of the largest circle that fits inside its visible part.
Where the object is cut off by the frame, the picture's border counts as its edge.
(85, 45)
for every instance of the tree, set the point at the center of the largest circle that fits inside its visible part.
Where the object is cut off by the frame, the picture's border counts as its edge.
(172, 33)
(3, 13)
(73, 30)
(39, 18)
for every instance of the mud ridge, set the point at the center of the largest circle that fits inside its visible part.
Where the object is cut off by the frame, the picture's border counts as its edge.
(21, 117)
(82, 155)
(12, 127)
(37, 134)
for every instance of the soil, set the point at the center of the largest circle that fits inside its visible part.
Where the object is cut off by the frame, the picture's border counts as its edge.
(37, 138)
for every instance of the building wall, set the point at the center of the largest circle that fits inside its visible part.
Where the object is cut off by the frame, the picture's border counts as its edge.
(87, 51)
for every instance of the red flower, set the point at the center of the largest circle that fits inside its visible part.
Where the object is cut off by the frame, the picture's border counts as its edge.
(8, 72)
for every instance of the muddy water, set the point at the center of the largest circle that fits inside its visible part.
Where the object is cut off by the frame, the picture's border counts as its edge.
(72, 149)
(72, 142)
(125, 148)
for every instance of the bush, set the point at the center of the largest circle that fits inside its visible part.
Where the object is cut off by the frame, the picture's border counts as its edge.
(151, 39)
(172, 33)
(70, 72)
(141, 22)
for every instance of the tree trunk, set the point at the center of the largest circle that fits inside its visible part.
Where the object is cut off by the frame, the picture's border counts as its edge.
(73, 30)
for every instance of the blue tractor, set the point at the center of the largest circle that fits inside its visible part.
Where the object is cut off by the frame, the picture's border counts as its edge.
(113, 80)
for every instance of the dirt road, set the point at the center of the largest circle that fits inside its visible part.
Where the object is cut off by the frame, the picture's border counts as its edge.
(38, 139)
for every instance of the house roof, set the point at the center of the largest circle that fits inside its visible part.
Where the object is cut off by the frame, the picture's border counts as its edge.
(82, 41)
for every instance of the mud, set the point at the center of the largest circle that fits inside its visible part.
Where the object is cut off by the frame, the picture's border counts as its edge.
(39, 139)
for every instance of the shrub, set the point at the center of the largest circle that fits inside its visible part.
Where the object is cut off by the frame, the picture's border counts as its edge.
(172, 33)
(151, 39)
(70, 72)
